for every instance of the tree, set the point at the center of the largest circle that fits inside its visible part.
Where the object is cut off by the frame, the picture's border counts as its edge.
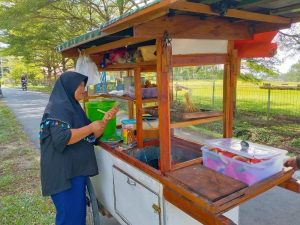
(293, 74)
(33, 28)
(289, 40)
(33, 72)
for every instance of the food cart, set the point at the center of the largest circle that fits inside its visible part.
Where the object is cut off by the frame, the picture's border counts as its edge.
(183, 33)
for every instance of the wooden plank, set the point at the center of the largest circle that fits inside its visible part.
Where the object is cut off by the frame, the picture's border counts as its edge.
(145, 100)
(156, 174)
(164, 64)
(201, 114)
(189, 207)
(187, 163)
(209, 184)
(129, 66)
(157, 10)
(247, 3)
(195, 122)
(234, 13)
(194, 28)
(151, 133)
(138, 106)
(112, 45)
(199, 59)
(70, 53)
(239, 197)
(177, 61)
(292, 185)
(130, 103)
(267, 27)
(229, 70)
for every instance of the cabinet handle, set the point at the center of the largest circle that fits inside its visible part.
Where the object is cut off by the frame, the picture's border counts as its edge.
(156, 208)
(131, 182)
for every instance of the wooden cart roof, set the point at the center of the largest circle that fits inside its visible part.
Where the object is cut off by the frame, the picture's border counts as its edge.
(259, 15)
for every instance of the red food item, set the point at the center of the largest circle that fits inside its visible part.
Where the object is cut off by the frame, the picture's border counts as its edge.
(241, 158)
(254, 161)
(217, 150)
(228, 154)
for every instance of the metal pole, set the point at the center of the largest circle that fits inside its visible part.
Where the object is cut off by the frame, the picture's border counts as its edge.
(269, 103)
(1, 66)
(213, 95)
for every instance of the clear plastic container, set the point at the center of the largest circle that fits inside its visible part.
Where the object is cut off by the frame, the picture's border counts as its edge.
(257, 162)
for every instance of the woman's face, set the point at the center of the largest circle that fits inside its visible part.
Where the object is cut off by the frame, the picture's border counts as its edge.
(79, 93)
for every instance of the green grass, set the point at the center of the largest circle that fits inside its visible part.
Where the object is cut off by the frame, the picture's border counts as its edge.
(40, 88)
(25, 209)
(44, 89)
(296, 142)
(21, 202)
(251, 122)
(250, 97)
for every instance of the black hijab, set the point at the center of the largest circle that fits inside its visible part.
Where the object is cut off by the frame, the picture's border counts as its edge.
(62, 104)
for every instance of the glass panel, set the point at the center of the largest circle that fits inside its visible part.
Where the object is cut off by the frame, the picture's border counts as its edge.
(196, 109)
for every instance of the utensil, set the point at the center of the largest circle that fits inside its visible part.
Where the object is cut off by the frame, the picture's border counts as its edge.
(99, 110)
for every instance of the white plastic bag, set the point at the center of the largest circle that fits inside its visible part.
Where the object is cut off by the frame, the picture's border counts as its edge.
(87, 67)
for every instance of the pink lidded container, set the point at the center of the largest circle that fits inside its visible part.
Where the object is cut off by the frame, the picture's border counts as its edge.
(245, 161)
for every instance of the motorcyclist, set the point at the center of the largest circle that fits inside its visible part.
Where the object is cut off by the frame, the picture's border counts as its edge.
(24, 83)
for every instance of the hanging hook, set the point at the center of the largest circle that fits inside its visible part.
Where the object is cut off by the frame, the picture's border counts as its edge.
(166, 39)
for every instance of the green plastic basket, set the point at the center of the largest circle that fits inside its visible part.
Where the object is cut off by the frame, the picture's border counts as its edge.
(93, 115)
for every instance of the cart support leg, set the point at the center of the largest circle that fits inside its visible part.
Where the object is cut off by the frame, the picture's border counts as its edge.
(164, 69)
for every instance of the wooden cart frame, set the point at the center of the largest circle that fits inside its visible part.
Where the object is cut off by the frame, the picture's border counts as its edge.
(182, 19)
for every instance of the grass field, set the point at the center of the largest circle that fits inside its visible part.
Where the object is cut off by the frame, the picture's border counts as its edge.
(251, 121)
(21, 202)
(251, 98)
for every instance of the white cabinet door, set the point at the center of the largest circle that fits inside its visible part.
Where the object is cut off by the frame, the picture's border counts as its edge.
(135, 203)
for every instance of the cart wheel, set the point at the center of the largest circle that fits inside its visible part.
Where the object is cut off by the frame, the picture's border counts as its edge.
(92, 211)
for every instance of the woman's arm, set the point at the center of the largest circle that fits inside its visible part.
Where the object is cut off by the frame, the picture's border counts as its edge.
(78, 134)
(96, 127)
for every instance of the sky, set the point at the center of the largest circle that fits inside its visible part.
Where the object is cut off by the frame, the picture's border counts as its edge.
(288, 61)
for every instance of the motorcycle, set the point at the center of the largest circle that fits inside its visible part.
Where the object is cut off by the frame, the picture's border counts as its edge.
(24, 85)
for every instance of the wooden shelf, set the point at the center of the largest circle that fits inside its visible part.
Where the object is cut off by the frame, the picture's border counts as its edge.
(146, 100)
(195, 122)
(129, 66)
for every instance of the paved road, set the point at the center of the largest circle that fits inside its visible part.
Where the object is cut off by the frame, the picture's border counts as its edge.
(275, 207)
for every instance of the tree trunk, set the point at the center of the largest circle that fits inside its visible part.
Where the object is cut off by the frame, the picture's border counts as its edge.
(49, 73)
(63, 62)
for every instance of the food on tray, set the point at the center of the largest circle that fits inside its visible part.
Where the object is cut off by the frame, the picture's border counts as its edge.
(241, 158)
(235, 156)
(148, 84)
(189, 107)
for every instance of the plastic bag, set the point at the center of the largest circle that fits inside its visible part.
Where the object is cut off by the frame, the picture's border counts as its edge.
(87, 67)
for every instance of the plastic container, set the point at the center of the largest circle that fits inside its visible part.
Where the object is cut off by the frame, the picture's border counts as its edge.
(262, 161)
(93, 114)
(128, 128)
(146, 92)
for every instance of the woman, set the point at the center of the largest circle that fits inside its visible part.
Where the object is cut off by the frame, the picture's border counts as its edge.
(67, 153)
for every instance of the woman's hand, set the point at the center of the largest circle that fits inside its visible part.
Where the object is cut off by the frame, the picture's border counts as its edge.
(97, 127)
(292, 162)
(111, 114)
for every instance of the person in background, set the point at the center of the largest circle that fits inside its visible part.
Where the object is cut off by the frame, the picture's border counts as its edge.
(67, 139)
(24, 83)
